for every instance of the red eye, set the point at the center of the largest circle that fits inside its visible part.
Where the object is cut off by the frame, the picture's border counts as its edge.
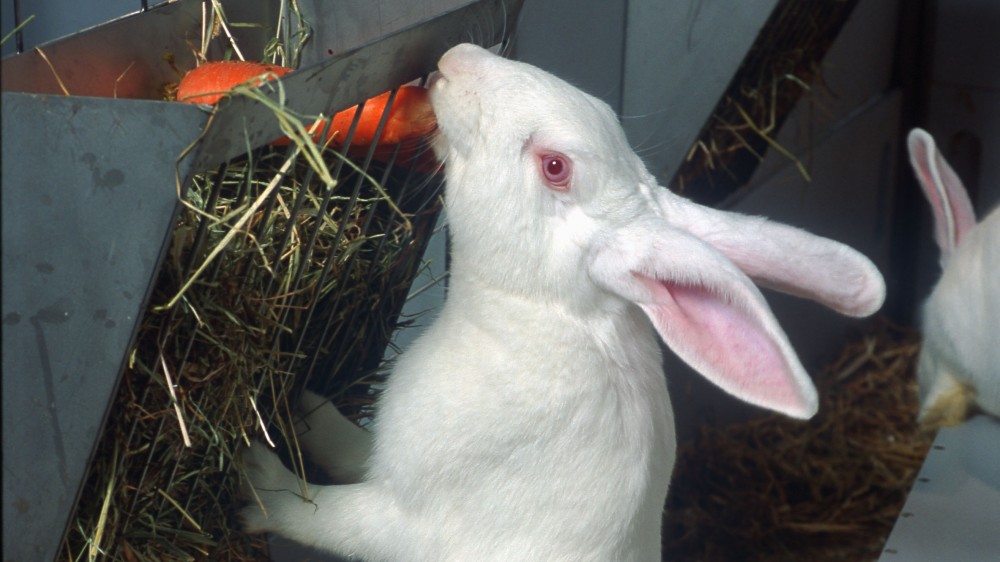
(557, 170)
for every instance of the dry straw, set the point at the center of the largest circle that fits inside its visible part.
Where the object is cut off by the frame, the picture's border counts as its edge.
(283, 265)
(776, 489)
(782, 66)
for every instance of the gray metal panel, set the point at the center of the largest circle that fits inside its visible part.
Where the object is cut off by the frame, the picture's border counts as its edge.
(953, 510)
(56, 18)
(125, 58)
(582, 42)
(87, 204)
(356, 22)
(662, 65)
(679, 58)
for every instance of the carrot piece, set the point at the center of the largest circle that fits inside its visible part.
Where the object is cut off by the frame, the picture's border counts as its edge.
(410, 116)
(210, 81)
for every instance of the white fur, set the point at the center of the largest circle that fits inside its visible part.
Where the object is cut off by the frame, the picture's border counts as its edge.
(961, 318)
(531, 421)
(335, 444)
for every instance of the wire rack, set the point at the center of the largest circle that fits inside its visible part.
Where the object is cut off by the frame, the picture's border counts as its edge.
(307, 293)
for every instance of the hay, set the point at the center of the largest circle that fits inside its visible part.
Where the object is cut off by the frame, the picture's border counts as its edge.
(303, 280)
(829, 489)
(287, 267)
(782, 65)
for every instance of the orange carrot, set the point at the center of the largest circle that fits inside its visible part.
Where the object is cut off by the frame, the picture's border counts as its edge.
(410, 116)
(211, 81)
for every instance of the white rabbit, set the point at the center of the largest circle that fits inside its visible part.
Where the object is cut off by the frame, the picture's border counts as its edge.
(959, 362)
(531, 421)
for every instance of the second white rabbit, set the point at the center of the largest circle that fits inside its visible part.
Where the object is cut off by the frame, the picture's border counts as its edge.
(959, 362)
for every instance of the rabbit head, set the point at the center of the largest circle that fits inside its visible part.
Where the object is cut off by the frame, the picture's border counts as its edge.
(547, 200)
(529, 165)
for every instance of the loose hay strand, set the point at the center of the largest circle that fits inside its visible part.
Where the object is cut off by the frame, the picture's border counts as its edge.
(181, 510)
(261, 422)
(102, 521)
(55, 74)
(173, 398)
(221, 18)
(19, 27)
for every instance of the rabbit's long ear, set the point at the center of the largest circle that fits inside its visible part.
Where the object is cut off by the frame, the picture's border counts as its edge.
(783, 257)
(953, 213)
(707, 311)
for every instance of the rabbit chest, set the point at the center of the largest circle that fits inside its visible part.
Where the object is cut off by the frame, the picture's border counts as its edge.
(550, 427)
(961, 318)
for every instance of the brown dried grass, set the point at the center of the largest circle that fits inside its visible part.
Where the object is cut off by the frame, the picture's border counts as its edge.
(222, 365)
(776, 489)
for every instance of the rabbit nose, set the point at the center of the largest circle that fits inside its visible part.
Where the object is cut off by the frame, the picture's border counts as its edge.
(462, 58)
(434, 79)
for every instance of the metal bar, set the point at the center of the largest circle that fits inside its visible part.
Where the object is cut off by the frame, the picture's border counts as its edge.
(19, 35)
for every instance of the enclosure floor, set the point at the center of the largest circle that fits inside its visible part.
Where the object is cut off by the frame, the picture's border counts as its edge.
(953, 511)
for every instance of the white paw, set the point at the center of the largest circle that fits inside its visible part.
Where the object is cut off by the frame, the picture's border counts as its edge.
(271, 490)
(265, 470)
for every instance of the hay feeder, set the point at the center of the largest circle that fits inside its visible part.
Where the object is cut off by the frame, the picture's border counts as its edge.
(113, 448)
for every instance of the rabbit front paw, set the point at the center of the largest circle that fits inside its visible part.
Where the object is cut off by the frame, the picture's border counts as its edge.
(273, 492)
(947, 408)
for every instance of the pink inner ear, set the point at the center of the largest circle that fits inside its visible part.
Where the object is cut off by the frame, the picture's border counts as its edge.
(726, 344)
(953, 212)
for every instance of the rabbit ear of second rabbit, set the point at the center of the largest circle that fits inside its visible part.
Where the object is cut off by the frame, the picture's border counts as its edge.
(953, 213)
